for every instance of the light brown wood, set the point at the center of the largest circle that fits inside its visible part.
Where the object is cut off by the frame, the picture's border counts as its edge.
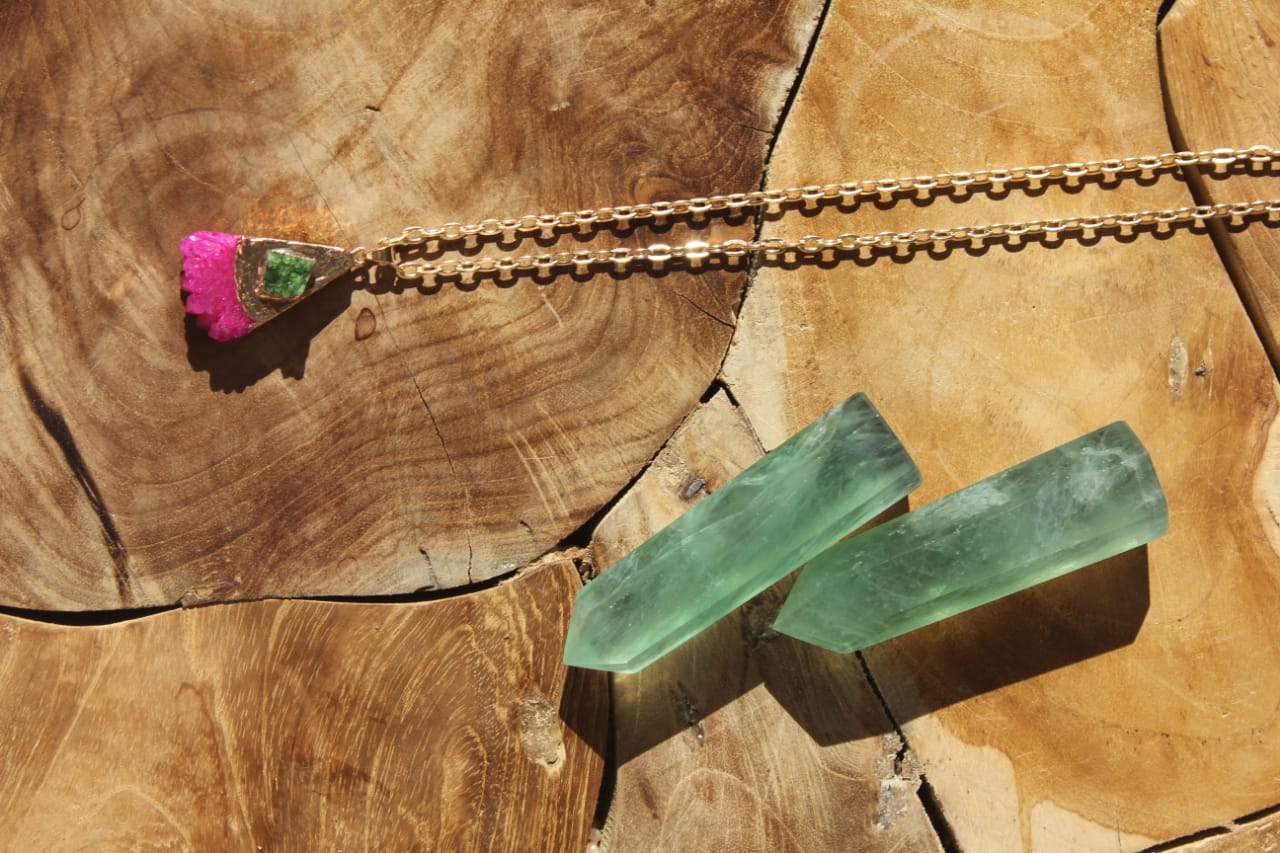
(367, 442)
(376, 442)
(1222, 73)
(304, 726)
(1137, 701)
(742, 739)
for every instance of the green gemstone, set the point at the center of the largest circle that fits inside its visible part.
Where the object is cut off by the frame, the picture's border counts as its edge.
(285, 275)
(1085, 501)
(820, 485)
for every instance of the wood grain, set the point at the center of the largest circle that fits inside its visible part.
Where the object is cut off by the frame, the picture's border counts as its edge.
(742, 739)
(1222, 77)
(370, 442)
(304, 726)
(1136, 702)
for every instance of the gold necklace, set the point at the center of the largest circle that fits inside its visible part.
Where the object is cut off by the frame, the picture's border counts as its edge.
(236, 284)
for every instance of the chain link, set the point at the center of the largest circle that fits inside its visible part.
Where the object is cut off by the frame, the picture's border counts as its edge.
(694, 253)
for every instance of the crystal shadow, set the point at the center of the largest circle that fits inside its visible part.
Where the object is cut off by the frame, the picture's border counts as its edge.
(1081, 615)
(1072, 618)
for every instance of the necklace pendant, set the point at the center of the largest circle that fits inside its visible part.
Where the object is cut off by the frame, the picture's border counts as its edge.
(236, 283)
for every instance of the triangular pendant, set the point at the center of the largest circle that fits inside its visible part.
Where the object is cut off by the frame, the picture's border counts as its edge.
(238, 283)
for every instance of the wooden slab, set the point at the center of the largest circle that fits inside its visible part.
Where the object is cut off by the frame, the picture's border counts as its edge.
(1136, 702)
(304, 725)
(742, 739)
(365, 443)
(1222, 73)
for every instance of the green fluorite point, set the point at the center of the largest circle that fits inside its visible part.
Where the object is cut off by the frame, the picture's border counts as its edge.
(285, 275)
(1085, 501)
(820, 485)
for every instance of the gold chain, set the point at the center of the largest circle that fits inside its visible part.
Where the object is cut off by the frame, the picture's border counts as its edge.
(696, 252)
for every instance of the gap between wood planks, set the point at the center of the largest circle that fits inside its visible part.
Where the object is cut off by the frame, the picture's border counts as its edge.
(924, 792)
(1239, 824)
(1199, 190)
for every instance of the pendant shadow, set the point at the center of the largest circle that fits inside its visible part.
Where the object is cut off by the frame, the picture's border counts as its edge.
(282, 345)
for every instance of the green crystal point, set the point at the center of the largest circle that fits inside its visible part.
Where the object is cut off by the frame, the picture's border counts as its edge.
(818, 486)
(285, 275)
(1085, 501)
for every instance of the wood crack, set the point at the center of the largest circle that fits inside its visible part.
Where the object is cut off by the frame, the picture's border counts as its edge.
(758, 225)
(452, 470)
(928, 800)
(1183, 840)
(792, 93)
(707, 313)
(56, 426)
(1237, 825)
(1198, 186)
(444, 447)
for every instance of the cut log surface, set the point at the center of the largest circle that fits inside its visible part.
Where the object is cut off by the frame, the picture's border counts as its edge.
(743, 739)
(1222, 69)
(383, 439)
(1136, 701)
(369, 441)
(304, 726)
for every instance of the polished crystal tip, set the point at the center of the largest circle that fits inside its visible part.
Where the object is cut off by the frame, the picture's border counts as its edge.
(823, 483)
(1087, 500)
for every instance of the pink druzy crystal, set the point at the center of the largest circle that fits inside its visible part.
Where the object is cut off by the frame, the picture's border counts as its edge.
(209, 276)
